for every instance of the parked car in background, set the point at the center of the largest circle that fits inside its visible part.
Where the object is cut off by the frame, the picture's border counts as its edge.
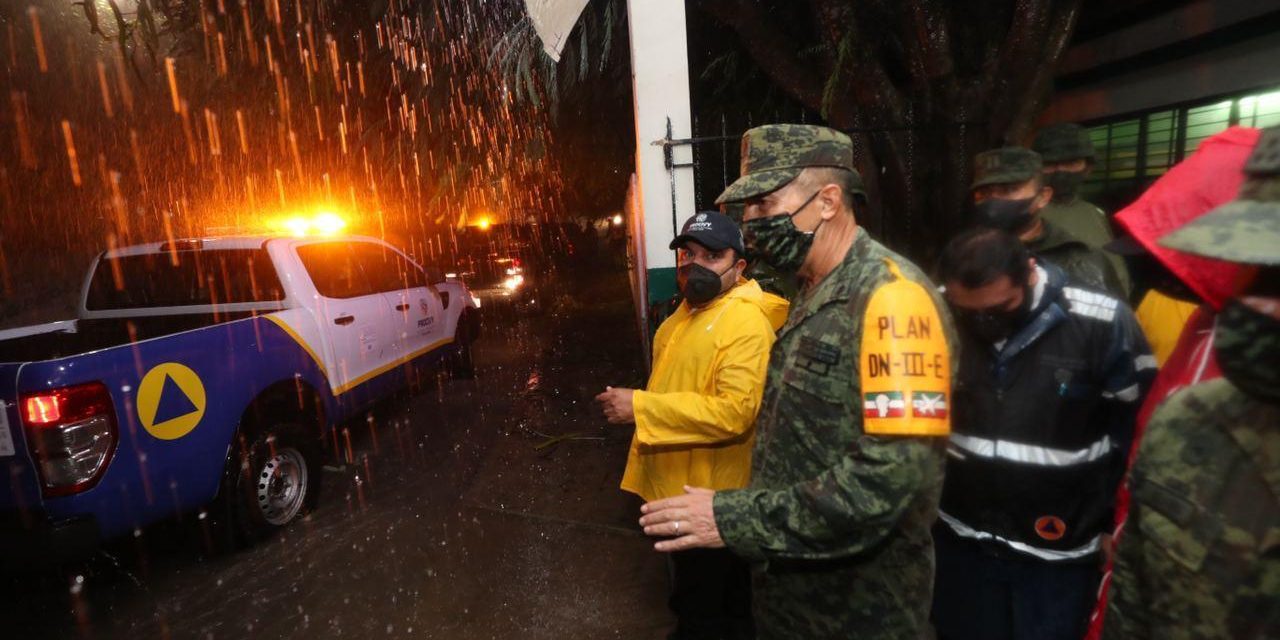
(504, 266)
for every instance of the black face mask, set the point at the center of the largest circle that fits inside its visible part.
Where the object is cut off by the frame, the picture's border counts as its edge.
(995, 326)
(1066, 184)
(1006, 215)
(698, 284)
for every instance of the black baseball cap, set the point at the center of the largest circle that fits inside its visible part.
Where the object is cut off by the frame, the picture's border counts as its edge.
(713, 230)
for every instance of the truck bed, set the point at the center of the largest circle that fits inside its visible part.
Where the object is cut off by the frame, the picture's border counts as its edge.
(84, 336)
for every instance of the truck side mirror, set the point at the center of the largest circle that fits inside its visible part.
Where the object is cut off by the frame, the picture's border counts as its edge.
(435, 275)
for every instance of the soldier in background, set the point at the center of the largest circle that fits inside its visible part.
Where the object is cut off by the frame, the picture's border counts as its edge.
(1009, 193)
(1198, 558)
(1210, 178)
(1067, 153)
(850, 447)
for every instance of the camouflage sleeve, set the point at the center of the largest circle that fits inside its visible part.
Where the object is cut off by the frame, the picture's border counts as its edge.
(1126, 608)
(847, 509)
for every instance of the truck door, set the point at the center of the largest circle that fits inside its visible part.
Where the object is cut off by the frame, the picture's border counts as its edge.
(417, 314)
(353, 316)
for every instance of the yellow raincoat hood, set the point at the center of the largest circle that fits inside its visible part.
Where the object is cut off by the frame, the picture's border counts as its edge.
(695, 420)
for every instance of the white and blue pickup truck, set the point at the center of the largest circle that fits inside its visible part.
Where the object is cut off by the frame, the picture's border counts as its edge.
(210, 370)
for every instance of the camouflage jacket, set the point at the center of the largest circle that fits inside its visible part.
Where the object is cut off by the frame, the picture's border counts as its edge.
(837, 521)
(771, 281)
(1084, 264)
(1198, 558)
(1087, 222)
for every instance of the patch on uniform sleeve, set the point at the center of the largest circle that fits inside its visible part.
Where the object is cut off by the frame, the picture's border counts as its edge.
(817, 356)
(906, 368)
(885, 404)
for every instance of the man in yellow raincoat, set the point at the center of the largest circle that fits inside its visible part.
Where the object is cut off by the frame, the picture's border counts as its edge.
(695, 420)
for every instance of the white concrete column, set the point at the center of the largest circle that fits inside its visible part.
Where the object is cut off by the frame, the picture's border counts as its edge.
(660, 77)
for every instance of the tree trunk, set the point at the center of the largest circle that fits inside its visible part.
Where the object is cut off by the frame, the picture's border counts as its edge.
(889, 75)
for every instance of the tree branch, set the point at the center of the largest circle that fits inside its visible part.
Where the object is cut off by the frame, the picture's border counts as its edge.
(771, 49)
(1063, 26)
(1031, 20)
(873, 90)
(1012, 72)
(927, 39)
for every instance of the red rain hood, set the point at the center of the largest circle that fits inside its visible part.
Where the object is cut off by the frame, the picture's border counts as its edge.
(1193, 187)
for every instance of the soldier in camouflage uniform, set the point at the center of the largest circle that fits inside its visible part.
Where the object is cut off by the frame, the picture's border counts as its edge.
(1198, 556)
(1067, 152)
(850, 448)
(1009, 193)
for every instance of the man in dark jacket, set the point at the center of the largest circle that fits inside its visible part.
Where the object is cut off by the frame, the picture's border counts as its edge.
(1010, 194)
(1050, 381)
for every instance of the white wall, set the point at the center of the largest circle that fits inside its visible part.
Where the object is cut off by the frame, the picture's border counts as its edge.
(660, 70)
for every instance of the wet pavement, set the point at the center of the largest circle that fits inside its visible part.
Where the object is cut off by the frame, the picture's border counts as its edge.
(488, 508)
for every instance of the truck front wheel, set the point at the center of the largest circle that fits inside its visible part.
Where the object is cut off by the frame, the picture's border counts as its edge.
(278, 482)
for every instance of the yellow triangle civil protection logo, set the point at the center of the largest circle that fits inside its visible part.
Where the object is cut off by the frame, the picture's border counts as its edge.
(171, 401)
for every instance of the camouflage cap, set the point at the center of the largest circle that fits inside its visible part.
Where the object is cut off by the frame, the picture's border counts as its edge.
(1007, 165)
(1247, 229)
(1063, 142)
(775, 154)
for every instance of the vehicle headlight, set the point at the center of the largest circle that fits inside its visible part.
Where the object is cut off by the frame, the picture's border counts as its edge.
(513, 282)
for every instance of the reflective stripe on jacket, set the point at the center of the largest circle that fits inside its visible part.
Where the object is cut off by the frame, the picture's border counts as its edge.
(1043, 424)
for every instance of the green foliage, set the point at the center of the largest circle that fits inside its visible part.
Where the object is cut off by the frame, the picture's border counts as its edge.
(536, 79)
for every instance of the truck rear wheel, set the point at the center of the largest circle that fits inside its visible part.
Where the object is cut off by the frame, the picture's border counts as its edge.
(278, 481)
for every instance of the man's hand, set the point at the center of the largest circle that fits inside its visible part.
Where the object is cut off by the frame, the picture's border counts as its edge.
(617, 405)
(688, 520)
